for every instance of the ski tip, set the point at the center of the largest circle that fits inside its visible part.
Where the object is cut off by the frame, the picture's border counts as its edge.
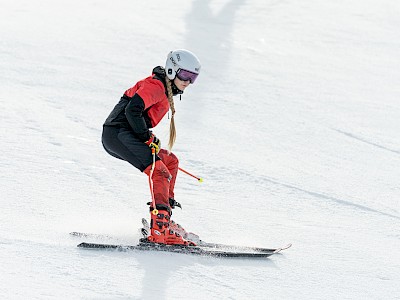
(282, 248)
(287, 246)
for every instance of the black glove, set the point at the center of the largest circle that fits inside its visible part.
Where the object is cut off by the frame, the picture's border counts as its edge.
(173, 203)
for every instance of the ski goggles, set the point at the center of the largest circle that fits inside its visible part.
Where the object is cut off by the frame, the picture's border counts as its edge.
(186, 75)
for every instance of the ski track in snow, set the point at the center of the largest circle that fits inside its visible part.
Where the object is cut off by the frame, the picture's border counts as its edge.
(351, 135)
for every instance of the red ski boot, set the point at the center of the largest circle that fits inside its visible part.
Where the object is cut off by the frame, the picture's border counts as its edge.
(160, 231)
(189, 236)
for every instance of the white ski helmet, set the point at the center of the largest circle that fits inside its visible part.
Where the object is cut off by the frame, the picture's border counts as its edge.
(183, 64)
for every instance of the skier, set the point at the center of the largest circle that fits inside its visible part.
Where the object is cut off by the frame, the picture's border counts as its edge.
(127, 136)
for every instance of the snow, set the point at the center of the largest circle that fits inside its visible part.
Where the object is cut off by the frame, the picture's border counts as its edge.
(293, 124)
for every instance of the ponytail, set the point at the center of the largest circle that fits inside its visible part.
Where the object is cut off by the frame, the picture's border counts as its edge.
(172, 129)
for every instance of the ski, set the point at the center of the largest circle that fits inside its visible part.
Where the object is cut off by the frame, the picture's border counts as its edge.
(201, 248)
(214, 246)
(193, 250)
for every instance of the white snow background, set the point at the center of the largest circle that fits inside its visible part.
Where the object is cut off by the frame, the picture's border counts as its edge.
(294, 124)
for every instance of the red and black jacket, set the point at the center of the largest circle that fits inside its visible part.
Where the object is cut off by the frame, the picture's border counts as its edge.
(142, 106)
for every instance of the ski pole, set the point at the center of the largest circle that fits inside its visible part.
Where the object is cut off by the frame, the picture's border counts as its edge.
(198, 178)
(153, 200)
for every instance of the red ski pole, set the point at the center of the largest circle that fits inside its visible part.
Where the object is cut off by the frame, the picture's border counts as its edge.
(198, 178)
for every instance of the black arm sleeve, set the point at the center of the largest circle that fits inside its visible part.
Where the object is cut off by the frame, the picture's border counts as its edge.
(134, 114)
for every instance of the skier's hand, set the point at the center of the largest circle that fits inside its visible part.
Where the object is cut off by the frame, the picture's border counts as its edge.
(154, 143)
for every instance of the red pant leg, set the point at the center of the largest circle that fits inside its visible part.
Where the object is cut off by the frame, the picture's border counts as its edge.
(172, 163)
(161, 182)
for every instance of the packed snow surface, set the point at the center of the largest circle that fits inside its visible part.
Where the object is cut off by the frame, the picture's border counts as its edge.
(294, 124)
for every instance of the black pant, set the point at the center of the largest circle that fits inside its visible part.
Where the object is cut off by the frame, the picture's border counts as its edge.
(122, 143)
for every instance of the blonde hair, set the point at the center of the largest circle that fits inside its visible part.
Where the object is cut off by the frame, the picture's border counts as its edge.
(172, 129)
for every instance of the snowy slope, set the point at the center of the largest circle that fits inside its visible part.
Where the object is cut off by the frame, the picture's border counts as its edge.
(293, 124)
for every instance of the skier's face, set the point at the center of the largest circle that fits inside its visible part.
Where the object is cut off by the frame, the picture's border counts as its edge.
(180, 84)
